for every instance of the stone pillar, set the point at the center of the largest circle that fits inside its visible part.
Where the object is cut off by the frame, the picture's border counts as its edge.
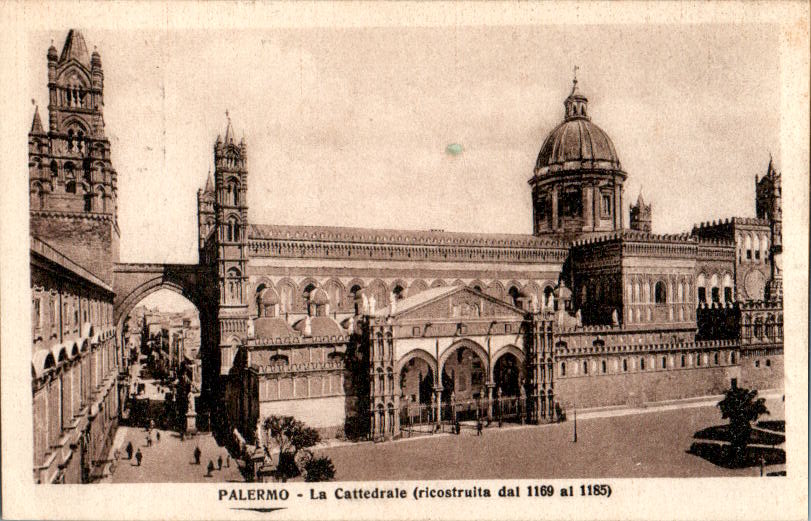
(438, 405)
(490, 386)
(554, 208)
(588, 208)
(616, 202)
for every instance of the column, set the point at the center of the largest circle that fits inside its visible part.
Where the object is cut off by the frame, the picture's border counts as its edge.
(616, 204)
(554, 208)
(588, 207)
(438, 405)
(596, 201)
(490, 386)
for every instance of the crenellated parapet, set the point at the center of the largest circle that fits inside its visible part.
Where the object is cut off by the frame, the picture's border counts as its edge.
(359, 243)
(313, 367)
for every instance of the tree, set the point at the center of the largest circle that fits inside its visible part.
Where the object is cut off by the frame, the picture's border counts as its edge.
(319, 469)
(741, 407)
(291, 436)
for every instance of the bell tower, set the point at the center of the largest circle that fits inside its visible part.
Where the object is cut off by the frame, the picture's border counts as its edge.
(641, 215)
(73, 185)
(230, 221)
(769, 205)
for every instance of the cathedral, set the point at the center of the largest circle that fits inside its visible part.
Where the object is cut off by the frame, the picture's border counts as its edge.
(369, 333)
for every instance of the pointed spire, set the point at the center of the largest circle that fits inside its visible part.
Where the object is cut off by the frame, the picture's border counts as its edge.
(229, 133)
(209, 183)
(75, 48)
(36, 125)
(770, 171)
(639, 200)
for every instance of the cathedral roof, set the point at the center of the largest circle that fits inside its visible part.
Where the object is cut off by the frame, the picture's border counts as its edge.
(75, 48)
(404, 237)
(577, 143)
(272, 327)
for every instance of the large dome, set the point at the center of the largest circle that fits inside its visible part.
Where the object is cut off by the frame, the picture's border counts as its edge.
(577, 143)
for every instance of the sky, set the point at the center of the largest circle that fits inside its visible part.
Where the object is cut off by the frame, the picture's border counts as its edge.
(350, 126)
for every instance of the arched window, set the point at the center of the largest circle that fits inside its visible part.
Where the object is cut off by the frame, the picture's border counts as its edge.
(101, 200)
(764, 244)
(727, 288)
(715, 291)
(642, 363)
(701, 284)
(232, 193)
(756, 247)
(354, 293)
(698, 359)
(716, 359)
(233, 285)
(664, 362)
(683, 360)
(748, 243)
(398, 292)
(646, 292)
(585, 368)
(548, 294)
(603, 366)
(37, 200)
(54, 170)
(233, 231)
(732, 358)
(380, 345)
(70, 178)
(514, 293)
(563, 369)
(660, 293)
(625, 364)
(758, 327)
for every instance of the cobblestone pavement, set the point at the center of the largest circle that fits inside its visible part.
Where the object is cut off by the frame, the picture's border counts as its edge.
(652, 444)
(170, 460)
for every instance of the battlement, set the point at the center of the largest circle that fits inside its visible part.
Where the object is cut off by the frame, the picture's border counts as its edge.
(298, 368)
(635, 235)
(730, 221)
(658, 347)
(296, 340)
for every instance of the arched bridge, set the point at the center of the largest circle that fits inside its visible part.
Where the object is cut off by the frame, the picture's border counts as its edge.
(133, 282)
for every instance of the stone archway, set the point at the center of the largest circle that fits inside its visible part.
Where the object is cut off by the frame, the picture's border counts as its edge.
(465, 370)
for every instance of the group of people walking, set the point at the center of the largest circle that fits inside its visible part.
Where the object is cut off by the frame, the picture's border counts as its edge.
(198, 454)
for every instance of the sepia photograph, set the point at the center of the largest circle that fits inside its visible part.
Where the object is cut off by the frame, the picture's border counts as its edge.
(434, 261)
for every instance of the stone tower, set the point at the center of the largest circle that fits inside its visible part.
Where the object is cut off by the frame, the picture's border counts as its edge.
(231, 222)
(205, 215)
(73, 186)
(769, 206)
(641, 215)
(578, 179)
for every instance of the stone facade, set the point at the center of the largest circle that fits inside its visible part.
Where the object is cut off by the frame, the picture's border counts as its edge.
(583, 313)
(74, 245)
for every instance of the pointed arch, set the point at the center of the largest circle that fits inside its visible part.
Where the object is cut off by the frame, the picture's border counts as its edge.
(417, 286)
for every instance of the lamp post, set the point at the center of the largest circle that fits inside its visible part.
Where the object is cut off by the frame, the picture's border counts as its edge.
(575, 425)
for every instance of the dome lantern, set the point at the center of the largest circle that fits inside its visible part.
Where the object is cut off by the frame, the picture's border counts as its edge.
(576, 104)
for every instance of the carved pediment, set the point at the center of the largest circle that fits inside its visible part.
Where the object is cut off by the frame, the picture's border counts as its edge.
(459, 302)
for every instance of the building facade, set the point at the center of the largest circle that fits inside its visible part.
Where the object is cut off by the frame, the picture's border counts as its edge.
(76, 387)
(366, 332)
(437, 326)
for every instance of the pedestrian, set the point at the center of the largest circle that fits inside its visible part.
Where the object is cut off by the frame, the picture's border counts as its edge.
(479, 427)
(457, 427)
(158, 436)
(148, 440)
(219, 462)
(129, 450)
(139, 457)
(210, 467)
(227, 461)
(181, 435)
(197, 455)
